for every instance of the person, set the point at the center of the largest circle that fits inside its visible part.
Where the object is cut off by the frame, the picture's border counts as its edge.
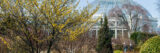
(125, 47)
(131, 47)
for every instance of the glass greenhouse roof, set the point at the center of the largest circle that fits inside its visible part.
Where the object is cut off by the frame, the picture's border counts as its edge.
(106, 5)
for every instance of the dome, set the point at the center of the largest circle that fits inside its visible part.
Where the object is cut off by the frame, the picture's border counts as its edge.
(107, 5)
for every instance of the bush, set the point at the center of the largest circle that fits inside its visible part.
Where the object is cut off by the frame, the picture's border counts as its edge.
(118, 47)
(118, 51)
(152, 45)
(140, 37)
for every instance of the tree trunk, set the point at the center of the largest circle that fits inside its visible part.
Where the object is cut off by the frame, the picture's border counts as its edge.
(32, 50)
(49, 47)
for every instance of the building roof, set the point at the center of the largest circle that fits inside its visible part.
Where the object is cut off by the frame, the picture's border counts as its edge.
(107, 5)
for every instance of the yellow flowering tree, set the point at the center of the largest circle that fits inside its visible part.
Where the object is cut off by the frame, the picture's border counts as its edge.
(36, 25)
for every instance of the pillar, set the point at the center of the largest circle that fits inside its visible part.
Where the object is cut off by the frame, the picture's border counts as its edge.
(115, 29)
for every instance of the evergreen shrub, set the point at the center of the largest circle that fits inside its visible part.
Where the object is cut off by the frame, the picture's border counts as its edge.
(152, 45)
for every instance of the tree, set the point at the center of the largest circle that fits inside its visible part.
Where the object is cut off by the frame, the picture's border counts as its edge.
(37, 25)
(104, 40)
(140, 37)
(133, 17)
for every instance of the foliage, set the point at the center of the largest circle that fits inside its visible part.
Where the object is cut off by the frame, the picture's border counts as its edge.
(140, 37)
(5, 42)
(151, 45)
(118, 51)
(104, 39)
(36, 25)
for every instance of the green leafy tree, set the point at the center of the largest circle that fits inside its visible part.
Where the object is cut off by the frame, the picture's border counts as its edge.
(104, 40)
(140, 37)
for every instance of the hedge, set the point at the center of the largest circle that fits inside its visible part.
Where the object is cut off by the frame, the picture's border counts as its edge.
(152, 45)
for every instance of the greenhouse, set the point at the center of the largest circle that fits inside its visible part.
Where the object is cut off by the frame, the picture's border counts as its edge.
(110, 7)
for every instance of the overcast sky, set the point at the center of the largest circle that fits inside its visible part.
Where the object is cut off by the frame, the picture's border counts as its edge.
(150, 5)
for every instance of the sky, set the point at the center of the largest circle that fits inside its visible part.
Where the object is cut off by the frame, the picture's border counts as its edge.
(149, 5)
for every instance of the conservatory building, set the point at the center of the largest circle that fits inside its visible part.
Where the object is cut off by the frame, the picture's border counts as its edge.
(113, 8)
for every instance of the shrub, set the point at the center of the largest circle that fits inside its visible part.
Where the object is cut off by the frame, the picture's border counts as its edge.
(152, 45)
(140, 37)
(118, 51)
